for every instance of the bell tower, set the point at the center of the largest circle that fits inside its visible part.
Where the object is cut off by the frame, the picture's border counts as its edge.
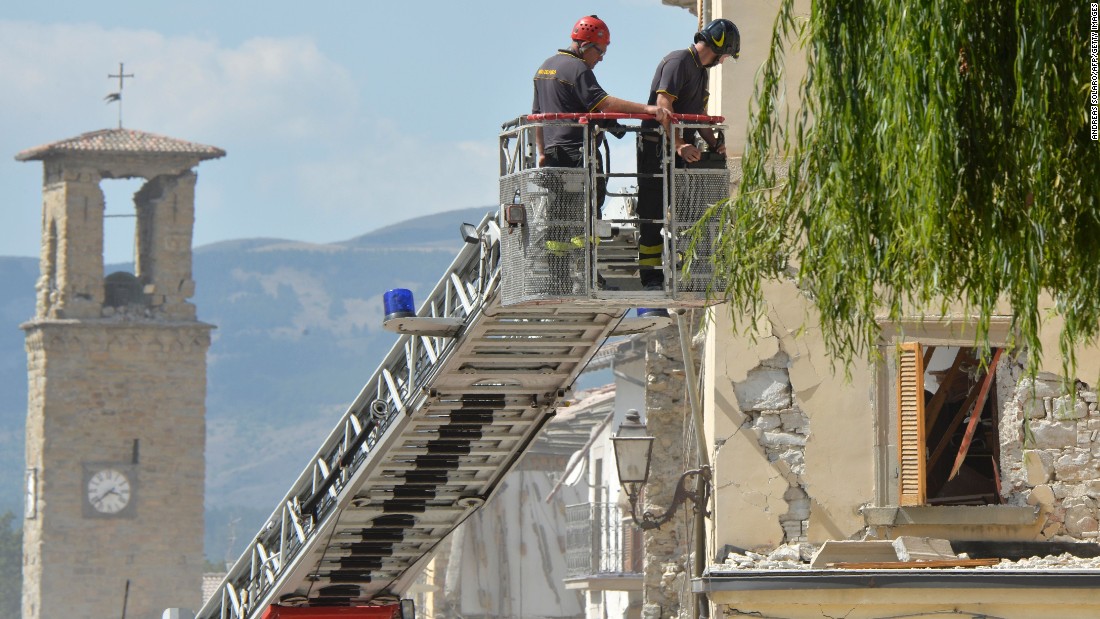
(115, 430)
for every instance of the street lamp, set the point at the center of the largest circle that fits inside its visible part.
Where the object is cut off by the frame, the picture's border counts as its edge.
(633, 451)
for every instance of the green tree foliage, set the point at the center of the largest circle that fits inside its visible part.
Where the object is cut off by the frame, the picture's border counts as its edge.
(941, 155)
(11, 567)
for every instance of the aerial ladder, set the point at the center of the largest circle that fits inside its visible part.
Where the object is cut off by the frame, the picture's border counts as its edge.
(476, 373)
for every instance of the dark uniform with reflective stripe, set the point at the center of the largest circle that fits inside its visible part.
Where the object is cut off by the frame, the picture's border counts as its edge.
(681, 76)
(564, 84)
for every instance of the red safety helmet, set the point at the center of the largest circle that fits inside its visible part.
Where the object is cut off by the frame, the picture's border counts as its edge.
(591, 29)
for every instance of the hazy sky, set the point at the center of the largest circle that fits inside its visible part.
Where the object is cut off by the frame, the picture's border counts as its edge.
(338, 117)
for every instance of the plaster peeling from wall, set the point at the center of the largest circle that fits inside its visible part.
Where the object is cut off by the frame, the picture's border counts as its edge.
(765, 397)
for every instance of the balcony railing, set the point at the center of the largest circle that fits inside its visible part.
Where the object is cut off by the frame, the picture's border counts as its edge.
(598, 543)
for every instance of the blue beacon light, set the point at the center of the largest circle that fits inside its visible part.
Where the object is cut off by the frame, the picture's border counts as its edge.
(399, 303)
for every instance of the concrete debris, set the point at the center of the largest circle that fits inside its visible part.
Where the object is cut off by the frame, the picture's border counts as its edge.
(847, 551)
(911, 548)
(783, 558)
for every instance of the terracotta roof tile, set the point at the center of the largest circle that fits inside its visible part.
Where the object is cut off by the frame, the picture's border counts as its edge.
(121, 141)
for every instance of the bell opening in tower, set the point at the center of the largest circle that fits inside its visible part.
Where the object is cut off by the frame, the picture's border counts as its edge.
(119, 223)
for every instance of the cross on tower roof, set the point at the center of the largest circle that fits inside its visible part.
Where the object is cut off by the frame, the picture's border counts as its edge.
(117, 96)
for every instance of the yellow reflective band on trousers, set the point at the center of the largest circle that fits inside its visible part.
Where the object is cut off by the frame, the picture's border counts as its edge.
(560, 248)
(649, 255)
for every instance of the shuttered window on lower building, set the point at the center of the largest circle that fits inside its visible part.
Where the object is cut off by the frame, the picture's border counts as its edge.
(948, 415)
(911, 439)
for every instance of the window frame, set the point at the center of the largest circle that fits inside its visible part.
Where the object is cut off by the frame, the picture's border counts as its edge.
(950, 331)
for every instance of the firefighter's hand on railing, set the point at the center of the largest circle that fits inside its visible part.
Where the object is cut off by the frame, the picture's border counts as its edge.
(688, 153)
(661, 114)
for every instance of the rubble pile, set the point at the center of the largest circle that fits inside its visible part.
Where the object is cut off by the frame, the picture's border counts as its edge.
(797, 557)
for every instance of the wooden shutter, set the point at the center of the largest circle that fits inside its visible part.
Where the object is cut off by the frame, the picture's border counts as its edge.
(911, 447)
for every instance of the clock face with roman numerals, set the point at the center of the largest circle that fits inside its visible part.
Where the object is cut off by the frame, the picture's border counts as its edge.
(109, 490)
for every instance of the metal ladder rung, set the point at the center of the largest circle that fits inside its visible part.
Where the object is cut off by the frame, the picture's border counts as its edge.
(500, 434)
(371, 550)
(500, 420)
(535, 329)
(507, 372)
(320, 579)
(443, 515)
(465, 466)
(480, 452)
(429, 444)
(468, 479)
(420, 539)
(517, 344)
(528, 357)
(507, 389)
(389, 485)
(423, 527)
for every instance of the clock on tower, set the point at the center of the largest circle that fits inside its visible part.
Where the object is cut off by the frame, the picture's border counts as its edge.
(110, 490)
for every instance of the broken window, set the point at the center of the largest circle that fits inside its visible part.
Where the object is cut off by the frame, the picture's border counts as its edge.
(947, 416)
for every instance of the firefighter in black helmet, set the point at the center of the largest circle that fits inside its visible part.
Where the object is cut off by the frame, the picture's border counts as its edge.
(722, 37)
(680, 85)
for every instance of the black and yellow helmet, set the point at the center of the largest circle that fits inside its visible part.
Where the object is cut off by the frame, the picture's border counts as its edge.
(722, 37)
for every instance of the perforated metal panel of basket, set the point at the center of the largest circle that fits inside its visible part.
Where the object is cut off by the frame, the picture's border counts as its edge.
(551, 249)
(693, 191)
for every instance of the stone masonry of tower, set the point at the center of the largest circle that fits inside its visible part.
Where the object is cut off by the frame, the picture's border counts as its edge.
(117, 386)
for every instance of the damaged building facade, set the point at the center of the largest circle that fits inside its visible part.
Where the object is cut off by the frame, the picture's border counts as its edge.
(828, 490)
(815, 477)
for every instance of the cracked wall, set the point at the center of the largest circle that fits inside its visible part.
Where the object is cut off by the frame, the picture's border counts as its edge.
(776, 413)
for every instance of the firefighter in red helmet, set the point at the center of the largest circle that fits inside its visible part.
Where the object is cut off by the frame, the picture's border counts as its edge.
(565, 83)
(591, 29)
